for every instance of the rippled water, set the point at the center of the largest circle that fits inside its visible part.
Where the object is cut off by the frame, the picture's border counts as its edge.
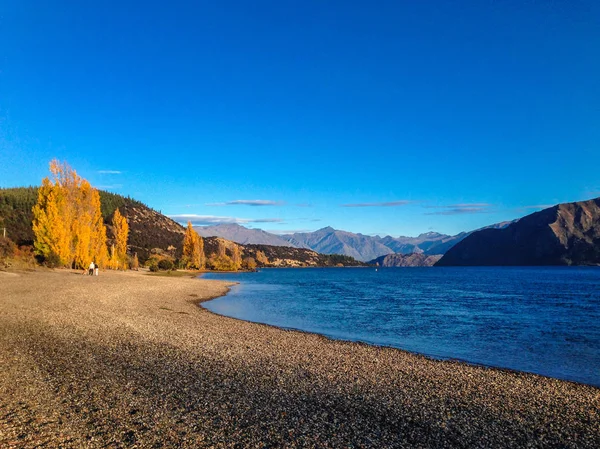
(541, 320)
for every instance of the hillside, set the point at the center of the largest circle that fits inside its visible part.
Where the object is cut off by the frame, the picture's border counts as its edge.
(148, 228)
(566, 234)
(406, 260)
(240, 234)
(281, 256)
(15, 213)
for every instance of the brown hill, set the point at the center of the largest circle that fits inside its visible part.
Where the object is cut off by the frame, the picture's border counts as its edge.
(281, 256)
(566, 234)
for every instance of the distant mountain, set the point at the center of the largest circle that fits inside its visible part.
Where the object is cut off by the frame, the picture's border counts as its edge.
(240, 234)
(428, 243)
(406, 260)
(331, 241)
(566, 234)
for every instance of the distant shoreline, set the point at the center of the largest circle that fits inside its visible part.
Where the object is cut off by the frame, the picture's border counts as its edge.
(126, 358)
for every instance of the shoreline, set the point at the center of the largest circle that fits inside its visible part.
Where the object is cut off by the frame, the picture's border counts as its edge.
(129, 359)
(403, 350)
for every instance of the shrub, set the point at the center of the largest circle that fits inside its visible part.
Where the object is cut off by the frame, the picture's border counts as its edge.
(7, 251)
(52, 261)
(165, 264)
(7, 248)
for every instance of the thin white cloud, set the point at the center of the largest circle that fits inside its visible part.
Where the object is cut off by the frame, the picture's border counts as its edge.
(386, 204)
(206, 220)
(461, 209)
(537, 206)
(468, 205)
(109, 172)
(289, 231)
(109, 187)
(248, 203)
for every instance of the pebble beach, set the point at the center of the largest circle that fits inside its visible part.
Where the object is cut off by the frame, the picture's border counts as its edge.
(131, 360)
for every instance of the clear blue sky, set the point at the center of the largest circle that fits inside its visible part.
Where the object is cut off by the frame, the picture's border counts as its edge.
(443, 116)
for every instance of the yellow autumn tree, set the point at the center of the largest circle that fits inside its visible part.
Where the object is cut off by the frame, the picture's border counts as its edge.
(49, 227)
(98, 234)
(236, 257)
(119, 249)
(88, 228)
(221, 261)
(261, 258)
(67, 221)
(193, 249)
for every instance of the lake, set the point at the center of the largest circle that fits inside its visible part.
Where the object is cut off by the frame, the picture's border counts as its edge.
(544, 320)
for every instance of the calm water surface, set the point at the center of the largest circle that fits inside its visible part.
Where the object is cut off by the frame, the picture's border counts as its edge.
(541, 320)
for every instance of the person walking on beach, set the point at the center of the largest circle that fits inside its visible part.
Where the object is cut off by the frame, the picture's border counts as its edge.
(91, 269)
(95, 268)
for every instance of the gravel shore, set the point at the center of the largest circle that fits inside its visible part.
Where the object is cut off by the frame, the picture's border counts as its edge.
(130, 360)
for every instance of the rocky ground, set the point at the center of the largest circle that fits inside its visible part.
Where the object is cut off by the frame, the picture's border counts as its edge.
(130, 360)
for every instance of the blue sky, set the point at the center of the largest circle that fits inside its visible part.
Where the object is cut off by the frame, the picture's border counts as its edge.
(375, 117)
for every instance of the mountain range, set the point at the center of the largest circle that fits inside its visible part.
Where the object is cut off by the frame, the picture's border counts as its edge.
(333, 241)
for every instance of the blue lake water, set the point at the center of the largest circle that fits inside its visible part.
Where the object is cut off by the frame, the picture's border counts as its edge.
(535, 319)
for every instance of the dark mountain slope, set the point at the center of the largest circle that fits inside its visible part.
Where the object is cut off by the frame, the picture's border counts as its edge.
(566, 234)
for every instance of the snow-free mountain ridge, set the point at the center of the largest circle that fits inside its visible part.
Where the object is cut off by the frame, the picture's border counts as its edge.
(333, 241)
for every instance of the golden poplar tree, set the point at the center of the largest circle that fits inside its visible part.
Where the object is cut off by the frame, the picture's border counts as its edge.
(236, 257)
(121, 231)
(261, 258)
(202, 258)
(98, 247)
(67, 221)
(51, 234)
(193, 249)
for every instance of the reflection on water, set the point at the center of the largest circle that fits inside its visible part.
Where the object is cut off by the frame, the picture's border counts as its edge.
(542, 320)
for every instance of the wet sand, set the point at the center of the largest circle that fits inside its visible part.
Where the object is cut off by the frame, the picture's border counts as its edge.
(130, 360)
